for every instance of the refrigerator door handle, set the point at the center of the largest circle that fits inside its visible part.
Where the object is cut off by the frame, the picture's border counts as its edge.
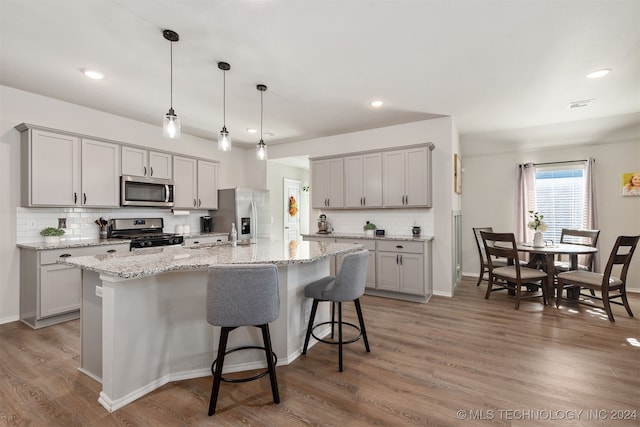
(254, 219)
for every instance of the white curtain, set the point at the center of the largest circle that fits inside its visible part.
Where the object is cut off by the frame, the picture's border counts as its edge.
(590, 208)
(525, 201)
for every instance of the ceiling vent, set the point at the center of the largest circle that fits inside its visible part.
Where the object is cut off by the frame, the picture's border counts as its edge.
(580, 104)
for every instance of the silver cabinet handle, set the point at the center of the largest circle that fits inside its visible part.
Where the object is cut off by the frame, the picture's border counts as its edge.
(194, 203)
(151, 169)
(64, 255)
(145, 170)
(199, 202)
(111, 251)
(84, 197)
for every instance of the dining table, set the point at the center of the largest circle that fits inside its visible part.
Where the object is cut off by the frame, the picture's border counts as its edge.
(543, 257)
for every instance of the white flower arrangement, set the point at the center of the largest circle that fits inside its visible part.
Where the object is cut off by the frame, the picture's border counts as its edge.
(537, 223)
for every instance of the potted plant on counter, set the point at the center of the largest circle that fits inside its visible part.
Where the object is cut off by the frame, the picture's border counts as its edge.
(369, 229)
(52, 234)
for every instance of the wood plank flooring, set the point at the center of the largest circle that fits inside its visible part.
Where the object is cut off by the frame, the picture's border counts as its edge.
(430, 364)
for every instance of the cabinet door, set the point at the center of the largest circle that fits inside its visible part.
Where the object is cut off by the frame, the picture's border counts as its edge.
(335, 193)
(387, 271)
(54, 169)
(319, 183)
(353, 182)
(100, 173)
(160, 165)
(411, 273)
(60, 289)
(185, 180)
(207, 185)
(393, 181)
(372, 180)
(417, 177)
(134, 161)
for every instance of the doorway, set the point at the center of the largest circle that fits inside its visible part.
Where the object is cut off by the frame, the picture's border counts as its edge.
(291, 209)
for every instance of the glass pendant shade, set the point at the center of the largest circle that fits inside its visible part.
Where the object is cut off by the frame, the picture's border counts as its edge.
(171, 125)
(224, 140)
(261, 151)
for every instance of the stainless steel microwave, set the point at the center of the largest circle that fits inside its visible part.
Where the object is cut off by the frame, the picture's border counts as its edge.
(140, 191)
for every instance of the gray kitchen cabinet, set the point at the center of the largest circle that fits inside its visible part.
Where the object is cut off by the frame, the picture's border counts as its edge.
(195, 183)
(204, 240)
(150, 164)
(100, 174)
(327, 183)
(407, 177)
(363, 180)
(50, 168)
(400, 267)
(60, 169)
(50, 293)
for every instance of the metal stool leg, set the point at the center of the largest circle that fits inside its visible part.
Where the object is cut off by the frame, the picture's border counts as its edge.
(340, 335)
(312, 317)
(217, 376)
(362, 328)
(266, 337)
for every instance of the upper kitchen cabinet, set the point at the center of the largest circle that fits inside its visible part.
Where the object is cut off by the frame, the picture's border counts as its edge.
(327, 183)
(150, 164)
(363, 181)
(195, 183)
(407, 177)
(100, 174)
(60, 169)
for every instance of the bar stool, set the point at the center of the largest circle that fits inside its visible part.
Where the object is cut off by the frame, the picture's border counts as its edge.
(242, 295)
(348, 285)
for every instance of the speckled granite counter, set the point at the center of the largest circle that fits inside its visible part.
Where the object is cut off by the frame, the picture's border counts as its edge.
(146, 262)
(71, 243)
(365, 237)
(143, 319)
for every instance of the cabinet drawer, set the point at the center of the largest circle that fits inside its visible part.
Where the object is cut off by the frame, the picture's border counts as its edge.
(205, 240)
(401, 246)
(367, 243)
(53, 255)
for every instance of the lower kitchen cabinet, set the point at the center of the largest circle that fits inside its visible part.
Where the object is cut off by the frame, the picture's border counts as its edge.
(205, 240)
(371, 266)
(50, 293)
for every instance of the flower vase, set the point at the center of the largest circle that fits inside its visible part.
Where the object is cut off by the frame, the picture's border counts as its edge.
(52, 239)
(538, 239)
(369, 233)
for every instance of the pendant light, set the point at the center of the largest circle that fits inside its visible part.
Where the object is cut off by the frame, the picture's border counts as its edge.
(224, 140)
(261, 148)
(171, 122)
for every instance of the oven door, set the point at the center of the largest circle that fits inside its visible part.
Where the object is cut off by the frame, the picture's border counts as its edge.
(139, 191)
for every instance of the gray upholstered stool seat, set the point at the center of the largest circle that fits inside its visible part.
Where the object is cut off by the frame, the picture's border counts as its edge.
(348, 285)
(242, 295)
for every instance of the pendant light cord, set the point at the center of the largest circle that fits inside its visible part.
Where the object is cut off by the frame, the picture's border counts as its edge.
(261, 112)
(171, 74)
(224, 98)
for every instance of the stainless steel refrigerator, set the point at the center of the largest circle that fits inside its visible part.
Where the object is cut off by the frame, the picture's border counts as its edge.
(248, 208)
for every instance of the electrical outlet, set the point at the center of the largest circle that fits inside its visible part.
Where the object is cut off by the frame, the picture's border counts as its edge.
(32, 224)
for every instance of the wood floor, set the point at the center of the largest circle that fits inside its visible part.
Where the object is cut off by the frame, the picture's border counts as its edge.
(455, 361)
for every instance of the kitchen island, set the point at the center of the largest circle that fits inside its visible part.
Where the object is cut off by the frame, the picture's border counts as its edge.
(143, 313)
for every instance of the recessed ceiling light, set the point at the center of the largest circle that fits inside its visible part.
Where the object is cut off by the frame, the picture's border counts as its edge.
(93, 74)
(269, 134)
(376, 104)
(580, 104)
(599, 73)
(252, 130)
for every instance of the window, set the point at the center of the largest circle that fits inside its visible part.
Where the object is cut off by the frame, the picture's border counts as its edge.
(560, 197)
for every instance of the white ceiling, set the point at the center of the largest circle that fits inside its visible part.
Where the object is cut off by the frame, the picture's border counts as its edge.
(492, 65)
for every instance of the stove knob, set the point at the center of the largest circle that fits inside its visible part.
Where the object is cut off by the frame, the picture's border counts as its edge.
(147, 243)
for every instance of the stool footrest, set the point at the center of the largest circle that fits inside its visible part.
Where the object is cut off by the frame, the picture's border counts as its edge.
(356, 327)
(247, 379)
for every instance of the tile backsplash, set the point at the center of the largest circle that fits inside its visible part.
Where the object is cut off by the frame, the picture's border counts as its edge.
(394, 221)
(80, 222)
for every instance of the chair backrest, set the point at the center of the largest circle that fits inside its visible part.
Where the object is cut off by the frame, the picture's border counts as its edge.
(481, 251)
(581, 237)
(621, 255)
(242, 295)
(501, 245)
(350, 280)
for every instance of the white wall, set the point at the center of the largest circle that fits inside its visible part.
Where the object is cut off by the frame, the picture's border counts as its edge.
(489, 181)
(440, 132)
(17, 106)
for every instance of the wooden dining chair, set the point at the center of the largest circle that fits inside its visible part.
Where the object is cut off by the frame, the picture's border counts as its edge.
(513, 276)
(578, 237)
(610, 286)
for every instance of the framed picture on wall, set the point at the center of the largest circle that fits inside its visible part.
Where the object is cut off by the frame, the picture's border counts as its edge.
(457, 174)
(631, 184)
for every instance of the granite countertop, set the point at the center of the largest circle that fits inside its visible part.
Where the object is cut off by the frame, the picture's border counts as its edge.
(72, 243)
(364, 236)
(147, 262)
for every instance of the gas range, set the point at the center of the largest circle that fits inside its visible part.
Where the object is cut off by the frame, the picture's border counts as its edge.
(143, 232)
